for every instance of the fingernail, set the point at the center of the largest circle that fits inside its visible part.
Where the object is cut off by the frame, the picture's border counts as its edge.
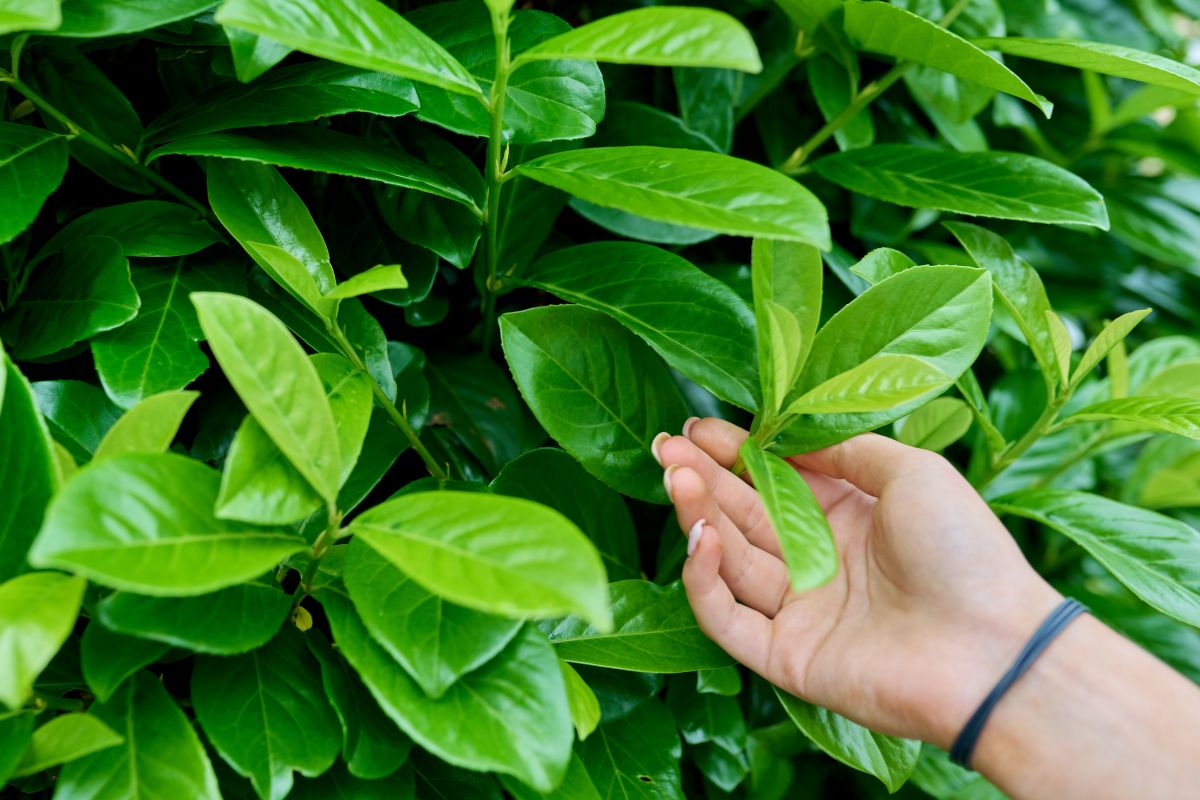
(687, 426)
(667, 478)
(655, 442)
(694, 536)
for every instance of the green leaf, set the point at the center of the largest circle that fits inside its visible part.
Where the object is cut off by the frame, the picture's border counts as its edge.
(1180, 415)
(16, 729)
(77, 414)
(1061, 339)
(687, 187)
(321, 150)
(377, 279)
(890, 759)
(517, 705)
(251, 705)
(787, 280)
(553, 478)
(291, 273)
(339, 784)
(148, 427)
(1156, 556)
(361, 33)
(435, 641)
(881, 264)
(877, 384)
(635, 757)
(707, 98)
(144, 228)
(660, 36)
(991, 184)
(229, 621)
(27, 463)
(300, 93)
(496, 554)
(37, 611)
(833, 88)
(879, 27)
(935, 425)
(144, 523)
(653, 630)
(597, 389)
(95, 18)
(160, 757)
(32, 164)
(26, 15)
(804, 534)
(109, 658)
(278, 384)
(585, 708)
(64, 739)
(1113, 334)
(252, 54)
(726, 681)
(1107, 59)
(706, 718)
(576, 785)
(696, 323)
(940, 314)
(90, 291)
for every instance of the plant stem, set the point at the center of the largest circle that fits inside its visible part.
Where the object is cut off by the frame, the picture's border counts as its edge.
(494, 175)
(1018, 448)
(319, 549)
(43, 105)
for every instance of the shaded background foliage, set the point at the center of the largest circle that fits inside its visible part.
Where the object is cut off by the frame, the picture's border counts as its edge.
(147, 199)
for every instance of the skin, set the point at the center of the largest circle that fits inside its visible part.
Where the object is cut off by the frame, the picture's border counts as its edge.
(932, 602)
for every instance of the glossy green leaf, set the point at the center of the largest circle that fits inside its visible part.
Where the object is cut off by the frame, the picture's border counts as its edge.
(377, 279)
(703, 718)
(653, 630)
(688, 187)
(361, 33)
(32, 164)
(1113, 334)
(252, 706)
(1060, 337)
(1156, 556)
(252, 54)
(520, 722)
(339, 784)
(148, 427)
(77, 414)
(880, 264)
(109, 658)
(696, 323)
(833, 90)
(1107, 59)
(88, 292)
(661, 36)
(498, 554)
(585, 707)
(435, 641)
(635, 757)
(291, 273)
(553, 478)
(278, 384)
(726, 681)
(95, 18)
(160, 537)
(1179, 415)
(874, 385)
(229, 621)
(160, 757)
(144, 228)
(597, 389)
(64, 739)
(38, 611)
(890, 759)
(16, 728)
(879, 27)
(804, 534)
(707, 99)
(27, 15)
(991, 184)
(787, 280)
(935, 425)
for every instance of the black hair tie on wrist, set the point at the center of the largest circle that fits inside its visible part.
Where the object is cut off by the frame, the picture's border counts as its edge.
(1059, 618)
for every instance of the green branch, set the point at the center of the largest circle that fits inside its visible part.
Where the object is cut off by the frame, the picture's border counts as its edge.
(494, 176)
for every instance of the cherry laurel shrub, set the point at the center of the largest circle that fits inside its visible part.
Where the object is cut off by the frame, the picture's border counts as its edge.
(336, 335)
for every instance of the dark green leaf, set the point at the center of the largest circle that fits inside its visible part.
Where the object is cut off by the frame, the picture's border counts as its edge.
(339, 784)
(636, 756)
(253, 54)
(28, 466)
(15, 730)
(95, 18)
(77, 414)
(143, 228)
(32, 164)
(109, 658)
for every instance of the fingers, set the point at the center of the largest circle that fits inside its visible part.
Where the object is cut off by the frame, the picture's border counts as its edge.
(869, 461)
(716, 437)
(756, 578)
(739, 630)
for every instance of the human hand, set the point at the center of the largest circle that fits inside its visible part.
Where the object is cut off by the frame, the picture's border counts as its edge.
(932, 600)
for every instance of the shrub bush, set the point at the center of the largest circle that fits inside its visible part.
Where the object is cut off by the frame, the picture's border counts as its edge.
(314, 488)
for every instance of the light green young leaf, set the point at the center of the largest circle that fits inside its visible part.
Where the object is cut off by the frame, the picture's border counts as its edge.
(148, 427)
(660, 36)
(1060, 337)
(277, 382)
(880, 27)
(874, 385)
(361, 33)
(1180, 415)
(890, 759)
(653, 630)
(30, 15)
(496, 554)
(1113, 334)
(1107, 59)
(1156, 556)
(694, 321)
(880, 264)
(804, 534)
(989, 184)
(688, 187)
(786, 279)
(109, 658)
(293, 276)
(250, 706)
(935, 425)
(376, 279)
(160, 757)
(32, 164)
(37, 613)
(64, 739)
(585, 708)
(1117, 365)
(144, 523)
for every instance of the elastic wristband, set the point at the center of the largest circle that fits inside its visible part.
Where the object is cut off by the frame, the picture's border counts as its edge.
(1059, 618)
